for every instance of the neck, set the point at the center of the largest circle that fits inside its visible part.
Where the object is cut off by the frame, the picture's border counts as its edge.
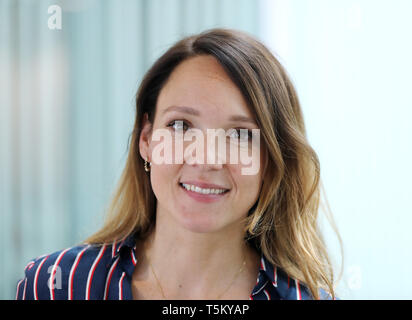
(191, 264)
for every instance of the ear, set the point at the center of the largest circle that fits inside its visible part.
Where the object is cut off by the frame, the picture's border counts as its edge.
(145, 138)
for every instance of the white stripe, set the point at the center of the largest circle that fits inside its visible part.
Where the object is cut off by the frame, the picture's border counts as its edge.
(71, 272)
(133, 257)
(276, 277)
(40, 257)
(92, 270)
(18, 288)
(113, 248)
(263, 264)
(51, 284)
(120, 245)
(109, 276)
(267, 294)
(121, 286)
(29, 265)
(261, 288)
(298, 291)
(35, 278)
(24, 290)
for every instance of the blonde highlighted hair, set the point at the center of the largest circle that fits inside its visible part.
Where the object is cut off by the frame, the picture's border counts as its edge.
(283, 223)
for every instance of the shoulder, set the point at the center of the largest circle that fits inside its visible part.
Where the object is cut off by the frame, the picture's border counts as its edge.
(284, 287)
(64, 274)
(297, 290)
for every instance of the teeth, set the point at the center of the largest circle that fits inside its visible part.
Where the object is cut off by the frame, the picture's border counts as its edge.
(201, 190)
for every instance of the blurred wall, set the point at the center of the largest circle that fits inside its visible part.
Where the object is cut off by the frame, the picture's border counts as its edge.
(351, 63)
(66, 104)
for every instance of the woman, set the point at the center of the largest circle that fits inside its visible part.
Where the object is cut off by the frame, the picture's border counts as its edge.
(205, 230)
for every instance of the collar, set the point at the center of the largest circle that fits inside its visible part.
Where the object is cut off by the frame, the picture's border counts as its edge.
(268, 276)
(270, 271)
(127, 242)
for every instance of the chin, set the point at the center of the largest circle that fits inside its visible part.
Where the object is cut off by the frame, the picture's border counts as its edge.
(199, 224)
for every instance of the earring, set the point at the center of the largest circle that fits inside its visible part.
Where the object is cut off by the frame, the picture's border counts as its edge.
(145, 166)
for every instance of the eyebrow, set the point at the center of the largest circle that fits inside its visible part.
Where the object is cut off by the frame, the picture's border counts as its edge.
(195, 112)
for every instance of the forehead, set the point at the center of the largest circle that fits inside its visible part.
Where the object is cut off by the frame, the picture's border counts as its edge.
(202, 83)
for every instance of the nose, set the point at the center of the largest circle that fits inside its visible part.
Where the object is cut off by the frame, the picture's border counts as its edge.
(208, 150)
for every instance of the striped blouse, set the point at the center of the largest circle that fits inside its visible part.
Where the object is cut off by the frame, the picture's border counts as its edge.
(91, 272)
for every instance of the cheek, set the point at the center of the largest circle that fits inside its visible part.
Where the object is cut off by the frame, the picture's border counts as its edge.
(248, 186)
(251, 174)
(163, 177)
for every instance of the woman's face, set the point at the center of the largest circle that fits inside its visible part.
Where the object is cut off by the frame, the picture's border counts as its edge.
(211, 101)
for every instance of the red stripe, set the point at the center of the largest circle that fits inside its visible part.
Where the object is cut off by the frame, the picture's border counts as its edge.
(288, 282)
(262, 266)
(110, 278)
(267, 294)
(54, 271)
(36, 276)
(94, 268)
(74, 270)
(29, 265)
(18, 288)
(133, 257)
(275, 277)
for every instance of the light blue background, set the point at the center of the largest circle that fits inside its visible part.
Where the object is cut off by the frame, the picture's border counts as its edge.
(351, 63)
(67, 109)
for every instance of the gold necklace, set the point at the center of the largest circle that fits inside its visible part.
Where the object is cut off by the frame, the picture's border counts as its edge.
(163, 294)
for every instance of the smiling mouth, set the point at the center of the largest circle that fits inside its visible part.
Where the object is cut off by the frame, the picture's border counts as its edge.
(204, 191)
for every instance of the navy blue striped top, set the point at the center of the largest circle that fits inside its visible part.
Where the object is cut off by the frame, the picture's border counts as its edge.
(92, 272)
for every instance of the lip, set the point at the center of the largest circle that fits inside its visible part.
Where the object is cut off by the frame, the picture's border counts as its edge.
(204, 185)
(205, 198)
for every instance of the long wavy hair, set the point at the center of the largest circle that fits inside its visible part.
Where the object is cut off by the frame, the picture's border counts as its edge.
(283, 223)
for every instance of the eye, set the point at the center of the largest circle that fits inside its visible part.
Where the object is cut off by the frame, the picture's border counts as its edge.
(178, 125)
(243, 134)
